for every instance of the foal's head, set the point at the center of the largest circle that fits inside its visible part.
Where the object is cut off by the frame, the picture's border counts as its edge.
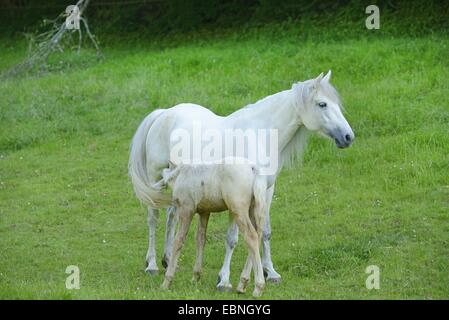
(169, 175)
(320, 110)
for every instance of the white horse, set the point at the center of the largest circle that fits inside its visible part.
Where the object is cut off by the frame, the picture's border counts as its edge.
(312, 105)
(215, 187)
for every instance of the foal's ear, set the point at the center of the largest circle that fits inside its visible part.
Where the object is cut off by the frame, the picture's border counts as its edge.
(327, 77)
(171, 164)
(160, 185)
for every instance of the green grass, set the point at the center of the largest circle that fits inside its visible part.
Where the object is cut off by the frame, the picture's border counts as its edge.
(65, 198)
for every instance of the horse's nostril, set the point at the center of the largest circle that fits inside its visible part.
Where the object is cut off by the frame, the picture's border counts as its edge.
(348, 138)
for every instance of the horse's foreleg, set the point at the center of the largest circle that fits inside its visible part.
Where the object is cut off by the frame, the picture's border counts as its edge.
(232, 235)
(153, 216)
(272, 275)
(172, 219)
(200, 242)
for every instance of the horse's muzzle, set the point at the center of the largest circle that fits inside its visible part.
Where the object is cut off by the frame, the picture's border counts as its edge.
(342, 140)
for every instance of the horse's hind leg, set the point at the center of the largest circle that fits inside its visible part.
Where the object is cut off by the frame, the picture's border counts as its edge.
(172, 219)
(200, 242)
(151, 267)
(232, 237)
(185, 220)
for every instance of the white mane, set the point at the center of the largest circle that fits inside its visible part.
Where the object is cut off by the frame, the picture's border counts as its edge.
(294, 150)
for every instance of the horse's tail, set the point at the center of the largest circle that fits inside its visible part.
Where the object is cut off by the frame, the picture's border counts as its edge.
(260, 203)
(137, 166)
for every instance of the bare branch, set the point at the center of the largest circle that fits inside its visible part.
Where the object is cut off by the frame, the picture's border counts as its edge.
(42, 45)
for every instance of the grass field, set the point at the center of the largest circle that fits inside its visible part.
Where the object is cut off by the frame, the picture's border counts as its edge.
(65, 198)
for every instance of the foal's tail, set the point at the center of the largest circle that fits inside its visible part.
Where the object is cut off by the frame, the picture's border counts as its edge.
(137, 166)
(260, 202)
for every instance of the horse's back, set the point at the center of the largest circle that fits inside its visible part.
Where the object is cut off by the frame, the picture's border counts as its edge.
(189, 114)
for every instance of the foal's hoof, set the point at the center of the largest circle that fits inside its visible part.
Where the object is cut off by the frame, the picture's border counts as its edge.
(224, 288)
(196, 277)
(165, 285)
(258, 289)
(257, 293)
(241, 288)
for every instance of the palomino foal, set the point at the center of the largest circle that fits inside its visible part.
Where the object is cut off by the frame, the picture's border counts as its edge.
(234, 185)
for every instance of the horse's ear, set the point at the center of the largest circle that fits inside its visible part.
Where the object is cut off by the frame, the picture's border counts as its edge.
(327, 77)
(316, 83)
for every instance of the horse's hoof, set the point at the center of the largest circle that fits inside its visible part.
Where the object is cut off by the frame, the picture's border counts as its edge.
(152, 272)
(272, 276)
(274, 280)
(224, 288)
(165, 261)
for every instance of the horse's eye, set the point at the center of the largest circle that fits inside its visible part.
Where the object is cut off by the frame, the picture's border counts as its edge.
(322, 104)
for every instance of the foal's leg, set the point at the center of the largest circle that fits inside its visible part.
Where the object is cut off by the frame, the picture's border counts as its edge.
(200, 242)
(259, 218)
(252, 240)
(272, 275)
(172, 219)
(151, 268)
(185, 220)
(245, 276)
(232, 237)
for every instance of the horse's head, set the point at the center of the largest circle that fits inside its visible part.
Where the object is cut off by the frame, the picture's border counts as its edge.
(320, 110)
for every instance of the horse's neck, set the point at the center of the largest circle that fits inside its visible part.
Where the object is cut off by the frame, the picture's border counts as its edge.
(277, 111)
